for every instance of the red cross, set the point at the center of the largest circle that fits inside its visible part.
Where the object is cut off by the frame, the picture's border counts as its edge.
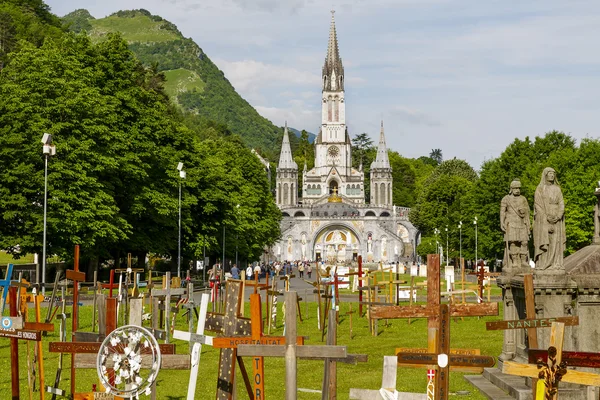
(430, 374)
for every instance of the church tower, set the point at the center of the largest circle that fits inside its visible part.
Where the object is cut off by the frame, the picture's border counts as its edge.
(333, 142)
(381, 175)
(286, 191)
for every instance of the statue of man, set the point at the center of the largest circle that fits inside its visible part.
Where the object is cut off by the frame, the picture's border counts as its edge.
(549, 235)
(515, 223)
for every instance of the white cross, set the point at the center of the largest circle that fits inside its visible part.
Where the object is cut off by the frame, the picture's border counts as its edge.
(198, 338)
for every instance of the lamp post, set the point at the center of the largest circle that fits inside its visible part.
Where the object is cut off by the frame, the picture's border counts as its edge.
(460, 243)
(48, 149)
(437, 243)
(476, 259)
(447, 248)
(181, 176)
(236, 237)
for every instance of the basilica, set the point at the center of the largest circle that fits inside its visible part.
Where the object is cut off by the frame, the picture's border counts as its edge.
(331, 220)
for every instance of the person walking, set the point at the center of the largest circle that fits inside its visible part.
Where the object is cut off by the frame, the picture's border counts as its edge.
(257, 272)
(249, 272)
(235, 272)
(301, 270)
(309, 271)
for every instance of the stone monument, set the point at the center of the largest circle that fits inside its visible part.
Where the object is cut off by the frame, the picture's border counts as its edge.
(516, 225)
(562, 288)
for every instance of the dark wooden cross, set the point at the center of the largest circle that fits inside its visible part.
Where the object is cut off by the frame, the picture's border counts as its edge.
(553, 369)
(228, 324)
(443, 358)
(290, 350)
(432, 310)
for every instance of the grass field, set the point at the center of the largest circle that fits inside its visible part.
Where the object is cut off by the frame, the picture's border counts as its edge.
(8, 259)
(469, 333)
(182, 80)
(134, 29)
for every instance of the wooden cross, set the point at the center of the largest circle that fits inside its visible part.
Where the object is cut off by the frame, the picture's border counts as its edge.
(167, 293)
(550, 373)
(8, 322)
(15, 335)
(49, 315)
(55, 390)
(198, 339)
(444, 358)
(432, 310)
(291, 350)
(228, 324)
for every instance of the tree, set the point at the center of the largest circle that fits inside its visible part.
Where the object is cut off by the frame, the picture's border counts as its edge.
(361, 145)
(436, 155)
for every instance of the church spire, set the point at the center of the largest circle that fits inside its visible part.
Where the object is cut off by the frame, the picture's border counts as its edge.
(285, 158)
(382, 160)
(333, 70)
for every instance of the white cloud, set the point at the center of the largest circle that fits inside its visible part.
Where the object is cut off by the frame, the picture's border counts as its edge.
(412, 116)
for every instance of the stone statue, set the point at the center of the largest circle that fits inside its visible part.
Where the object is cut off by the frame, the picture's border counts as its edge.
(596, 239)
(370, 243)
(303, 246)
(515, 223)
(549, 236)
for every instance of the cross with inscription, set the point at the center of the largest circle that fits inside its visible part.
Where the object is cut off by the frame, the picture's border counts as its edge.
(15, 335)
(8, 322)
(228, 324)
(552, 368)
(444, 358)
(290, 350)
(432, 310)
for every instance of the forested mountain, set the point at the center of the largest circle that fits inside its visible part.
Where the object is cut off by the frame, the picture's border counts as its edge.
(193, 81)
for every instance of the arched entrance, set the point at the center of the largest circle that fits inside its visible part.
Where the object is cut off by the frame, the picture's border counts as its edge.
(336, 244)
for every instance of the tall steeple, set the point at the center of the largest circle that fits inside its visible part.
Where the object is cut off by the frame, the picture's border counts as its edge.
(286, 190)
(382, 160)
(333, 70)
(285, 157)
(381, 175)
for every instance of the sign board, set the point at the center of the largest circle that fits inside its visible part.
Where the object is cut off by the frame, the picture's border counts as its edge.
(343, 278)
(199, 265)
(423, 271)
(414, 270)
(449, 273)
(405, 294)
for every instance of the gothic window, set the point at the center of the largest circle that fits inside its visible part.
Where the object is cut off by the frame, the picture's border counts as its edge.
(382, 196)
(292, 194)
(279, 194)
(285, 193)
(389, 193)
(336, 108)
(329, 105)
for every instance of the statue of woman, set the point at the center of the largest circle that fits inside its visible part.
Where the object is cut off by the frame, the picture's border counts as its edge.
(549, 223)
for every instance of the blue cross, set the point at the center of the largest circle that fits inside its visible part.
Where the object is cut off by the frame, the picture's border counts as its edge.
(4, 284)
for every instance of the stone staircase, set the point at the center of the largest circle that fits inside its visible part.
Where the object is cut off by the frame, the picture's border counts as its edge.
(495, 385)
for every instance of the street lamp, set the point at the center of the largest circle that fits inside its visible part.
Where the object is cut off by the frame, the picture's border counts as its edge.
(476, 259)
(48, 149)
(447, 248)
(181, 176)
(236, 237)
(437, 243)
(460, 243)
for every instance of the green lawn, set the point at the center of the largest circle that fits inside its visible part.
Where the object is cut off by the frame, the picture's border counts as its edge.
(469, 333)
(8, 259)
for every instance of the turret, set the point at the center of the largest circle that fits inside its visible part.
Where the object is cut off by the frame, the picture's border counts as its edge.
(381, 175)
(286, 191)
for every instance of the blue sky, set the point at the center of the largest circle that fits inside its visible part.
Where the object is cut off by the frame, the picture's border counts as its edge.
(465, 76)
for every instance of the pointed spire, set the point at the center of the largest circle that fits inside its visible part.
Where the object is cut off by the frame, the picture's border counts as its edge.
(333, 70)
(382, 160)
(285, 158)
(333, 52)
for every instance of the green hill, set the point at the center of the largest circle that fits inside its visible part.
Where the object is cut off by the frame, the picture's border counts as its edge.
(193, 81)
